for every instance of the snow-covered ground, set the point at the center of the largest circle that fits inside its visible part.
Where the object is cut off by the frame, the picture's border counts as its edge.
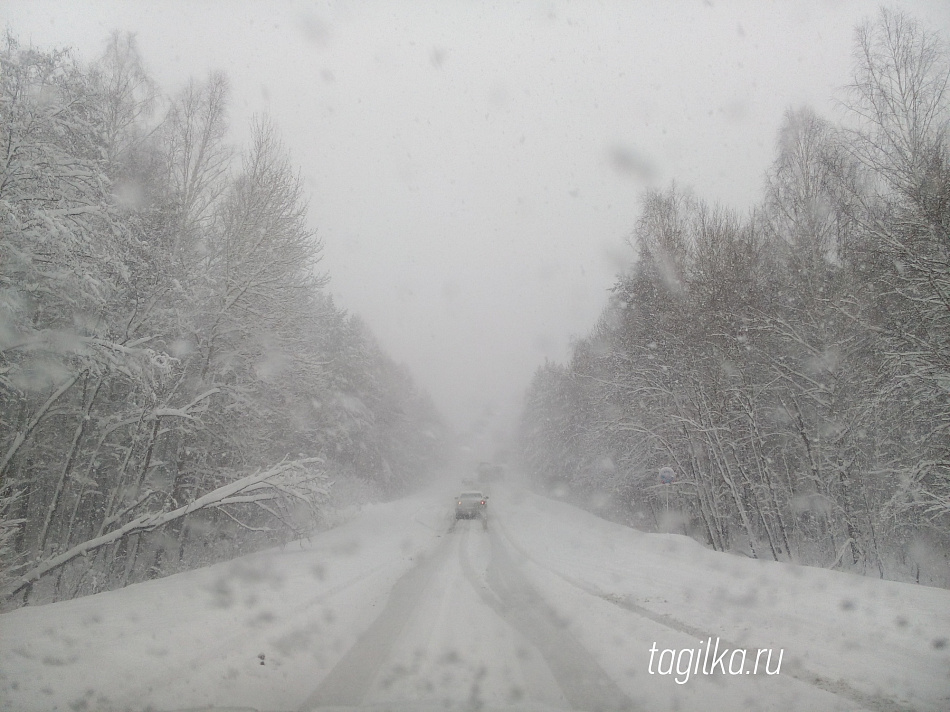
(547, 608)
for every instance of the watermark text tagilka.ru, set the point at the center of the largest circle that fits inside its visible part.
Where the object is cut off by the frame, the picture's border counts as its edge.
(708, 659)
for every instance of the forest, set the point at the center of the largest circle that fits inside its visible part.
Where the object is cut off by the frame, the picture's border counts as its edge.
(176, 384)
(777, 383)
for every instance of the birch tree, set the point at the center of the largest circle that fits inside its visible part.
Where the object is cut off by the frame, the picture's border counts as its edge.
(900, 104)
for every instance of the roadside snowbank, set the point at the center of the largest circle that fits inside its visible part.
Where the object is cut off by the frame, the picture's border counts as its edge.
(196, 638)
(877, 642)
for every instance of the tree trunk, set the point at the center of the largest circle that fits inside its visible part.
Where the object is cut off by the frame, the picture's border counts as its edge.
(67, 468)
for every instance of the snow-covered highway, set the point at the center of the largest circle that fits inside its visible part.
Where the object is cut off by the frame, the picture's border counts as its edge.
(547, 608)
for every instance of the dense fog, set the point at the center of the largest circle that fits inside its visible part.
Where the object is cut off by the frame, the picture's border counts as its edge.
(534, 400)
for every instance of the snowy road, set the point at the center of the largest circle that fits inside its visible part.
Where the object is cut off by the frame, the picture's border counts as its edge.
(548, 608)
(465, 628)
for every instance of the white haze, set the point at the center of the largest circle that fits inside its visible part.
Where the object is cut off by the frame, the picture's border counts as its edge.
(475, 168)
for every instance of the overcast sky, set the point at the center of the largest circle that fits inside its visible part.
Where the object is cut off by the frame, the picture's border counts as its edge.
(476, 167)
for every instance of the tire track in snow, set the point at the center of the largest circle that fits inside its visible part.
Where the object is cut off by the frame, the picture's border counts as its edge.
(348, 681)
(584, 683)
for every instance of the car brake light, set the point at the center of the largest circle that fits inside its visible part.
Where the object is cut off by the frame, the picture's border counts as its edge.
(483, 501)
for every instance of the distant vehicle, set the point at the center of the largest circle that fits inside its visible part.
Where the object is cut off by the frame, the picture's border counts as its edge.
(489, 471)
(470, 505)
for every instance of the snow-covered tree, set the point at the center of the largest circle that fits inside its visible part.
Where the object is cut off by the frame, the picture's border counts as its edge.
(164, 333)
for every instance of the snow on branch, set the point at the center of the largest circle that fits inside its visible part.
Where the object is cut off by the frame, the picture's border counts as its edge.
(298, 480)
(184, 411)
